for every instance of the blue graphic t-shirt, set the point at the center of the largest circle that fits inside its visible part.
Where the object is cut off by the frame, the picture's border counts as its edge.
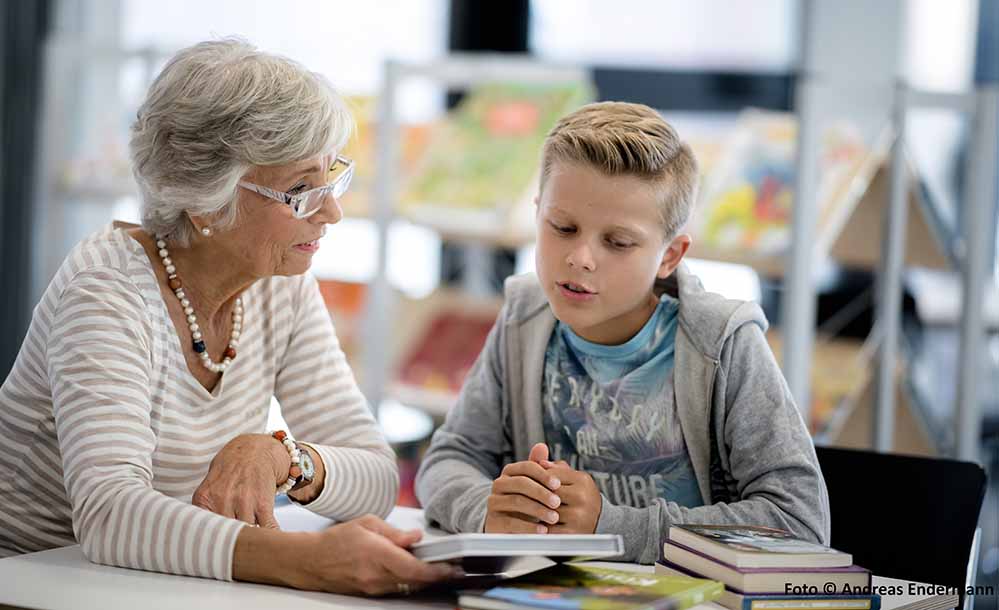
(610, 410)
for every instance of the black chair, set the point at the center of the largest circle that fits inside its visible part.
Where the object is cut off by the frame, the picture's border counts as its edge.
(905, 517)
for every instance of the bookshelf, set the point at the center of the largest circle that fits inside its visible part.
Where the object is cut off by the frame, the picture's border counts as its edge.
(454, 71)
(850, 230)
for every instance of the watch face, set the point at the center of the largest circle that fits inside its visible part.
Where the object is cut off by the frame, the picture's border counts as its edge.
(305, 463)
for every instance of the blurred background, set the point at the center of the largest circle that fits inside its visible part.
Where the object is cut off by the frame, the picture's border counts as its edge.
(849, 180)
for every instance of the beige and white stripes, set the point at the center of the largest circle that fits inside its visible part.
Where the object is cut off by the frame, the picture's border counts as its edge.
(105, 434)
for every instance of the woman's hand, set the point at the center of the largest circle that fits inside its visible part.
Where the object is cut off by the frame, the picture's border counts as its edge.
(369, 556)
(242, 479)
(364, 556)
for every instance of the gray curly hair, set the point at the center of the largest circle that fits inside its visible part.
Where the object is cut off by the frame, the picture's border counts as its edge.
(218, 108)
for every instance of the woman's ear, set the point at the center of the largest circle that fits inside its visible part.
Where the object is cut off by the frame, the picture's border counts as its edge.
(675, 251)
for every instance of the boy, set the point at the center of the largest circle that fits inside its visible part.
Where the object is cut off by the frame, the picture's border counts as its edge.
(615, 395)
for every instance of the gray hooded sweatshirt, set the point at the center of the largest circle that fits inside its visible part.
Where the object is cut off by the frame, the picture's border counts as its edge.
(751, 453)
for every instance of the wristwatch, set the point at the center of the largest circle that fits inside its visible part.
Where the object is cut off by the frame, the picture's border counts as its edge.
(302, 470)
(306, 468)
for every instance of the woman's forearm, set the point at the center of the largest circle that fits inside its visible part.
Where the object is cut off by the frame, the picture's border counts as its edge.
(270, 556)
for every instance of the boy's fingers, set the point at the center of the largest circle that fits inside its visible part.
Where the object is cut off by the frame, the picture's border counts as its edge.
(515, 524)
(539, 453)
(527, 487)
(534, 471)
(514, 503)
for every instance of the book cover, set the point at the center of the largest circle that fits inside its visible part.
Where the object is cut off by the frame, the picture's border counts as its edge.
(413, 140)
(747, 546)
(568, 587)
(746, 201)
(483, 159)
(441, 358)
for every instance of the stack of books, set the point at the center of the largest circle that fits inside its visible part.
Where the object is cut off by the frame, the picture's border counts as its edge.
(768, 569)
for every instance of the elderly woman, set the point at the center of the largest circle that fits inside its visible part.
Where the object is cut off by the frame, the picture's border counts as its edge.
(134, 418)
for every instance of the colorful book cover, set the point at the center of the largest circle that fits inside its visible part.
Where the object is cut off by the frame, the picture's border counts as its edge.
(485, 154)
(570, 587)
(746, 200)
(413, 140)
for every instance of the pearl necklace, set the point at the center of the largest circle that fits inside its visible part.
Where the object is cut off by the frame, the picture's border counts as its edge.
(192, 321)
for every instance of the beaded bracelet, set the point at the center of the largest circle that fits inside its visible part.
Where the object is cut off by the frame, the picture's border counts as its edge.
(295, 472)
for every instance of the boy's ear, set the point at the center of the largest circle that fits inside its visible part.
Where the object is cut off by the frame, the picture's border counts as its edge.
(674, 253)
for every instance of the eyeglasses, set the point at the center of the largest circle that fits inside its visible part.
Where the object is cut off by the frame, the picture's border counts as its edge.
(308, 203)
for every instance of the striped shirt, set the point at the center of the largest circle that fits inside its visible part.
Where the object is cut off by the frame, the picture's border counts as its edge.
(105, 434)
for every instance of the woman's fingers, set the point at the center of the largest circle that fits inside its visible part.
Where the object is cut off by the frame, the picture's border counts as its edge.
(265, 516)
(402, 538)
(403, 567)
(246, 510)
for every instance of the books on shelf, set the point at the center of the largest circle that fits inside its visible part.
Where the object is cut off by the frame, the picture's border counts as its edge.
(567, 587)
(479, 173)
(841, 366)
(758, 560)
(736, 600)
(744, 212)
(345, 302)
(436, 361)
(749, 546)
(413, 138)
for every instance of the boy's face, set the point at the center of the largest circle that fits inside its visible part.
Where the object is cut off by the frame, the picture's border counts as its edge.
(600, 249)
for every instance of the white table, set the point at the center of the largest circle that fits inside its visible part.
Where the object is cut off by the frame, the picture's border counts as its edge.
(64, 579)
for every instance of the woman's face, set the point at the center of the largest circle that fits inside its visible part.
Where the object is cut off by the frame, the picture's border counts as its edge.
(267, 238)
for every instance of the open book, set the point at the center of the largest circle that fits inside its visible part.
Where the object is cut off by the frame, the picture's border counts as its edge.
(494, 553)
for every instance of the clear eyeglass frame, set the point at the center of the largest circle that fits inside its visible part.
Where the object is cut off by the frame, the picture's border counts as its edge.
(308, 203)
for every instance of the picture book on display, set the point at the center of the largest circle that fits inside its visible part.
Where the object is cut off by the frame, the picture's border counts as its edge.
(746, 202)
(570, 587)
(747, 546)
(481, 163)
(434, 367)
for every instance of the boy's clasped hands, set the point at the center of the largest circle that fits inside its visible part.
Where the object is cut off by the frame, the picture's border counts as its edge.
(538, 496)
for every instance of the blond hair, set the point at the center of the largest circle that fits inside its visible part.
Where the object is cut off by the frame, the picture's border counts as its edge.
(620, 138)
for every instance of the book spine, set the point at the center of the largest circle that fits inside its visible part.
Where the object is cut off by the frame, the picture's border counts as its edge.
(831, 602)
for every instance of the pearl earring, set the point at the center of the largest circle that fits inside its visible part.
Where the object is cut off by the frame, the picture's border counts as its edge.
(206, 232)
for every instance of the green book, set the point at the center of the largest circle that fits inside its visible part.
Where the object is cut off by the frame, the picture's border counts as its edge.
(571, 587)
